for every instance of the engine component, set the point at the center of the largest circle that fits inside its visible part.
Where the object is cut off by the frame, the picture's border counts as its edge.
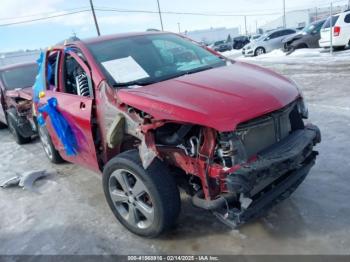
(194, 146)
(230, 149)
(176, 137)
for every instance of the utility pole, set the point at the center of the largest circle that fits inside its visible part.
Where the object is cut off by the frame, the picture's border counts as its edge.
(178, 26)
(256, 26)
(316, 15)
(284, 14)
(95, 19)
(160, 16)
(245, 25)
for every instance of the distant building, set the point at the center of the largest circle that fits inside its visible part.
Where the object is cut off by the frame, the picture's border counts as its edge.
(301, 18)
(294, 19)
(323, 13)
(18, 57)
(211, 35)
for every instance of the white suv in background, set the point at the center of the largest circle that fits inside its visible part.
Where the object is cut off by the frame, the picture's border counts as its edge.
(341, 31)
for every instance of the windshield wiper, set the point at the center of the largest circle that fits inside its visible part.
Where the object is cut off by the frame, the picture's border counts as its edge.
(197, 70)
(133, 83)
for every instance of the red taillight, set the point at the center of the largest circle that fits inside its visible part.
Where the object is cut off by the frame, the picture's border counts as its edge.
(336, 31)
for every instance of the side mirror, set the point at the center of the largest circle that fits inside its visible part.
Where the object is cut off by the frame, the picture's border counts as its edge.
(267, 38)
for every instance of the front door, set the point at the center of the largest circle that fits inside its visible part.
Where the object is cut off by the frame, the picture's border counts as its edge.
(70, 83)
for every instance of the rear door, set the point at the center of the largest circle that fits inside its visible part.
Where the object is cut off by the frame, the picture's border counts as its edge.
(70, 83)
(274, 41)
(282, 35)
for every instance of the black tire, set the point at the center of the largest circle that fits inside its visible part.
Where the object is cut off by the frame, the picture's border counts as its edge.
(3, 126)
(290, 50)
(160, 190)
(259, 51)
(300, 46)
(14, 130)
(339, 48)
(52, 154)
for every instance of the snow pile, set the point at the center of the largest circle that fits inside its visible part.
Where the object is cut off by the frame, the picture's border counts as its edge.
(307, 55)
(234, 53)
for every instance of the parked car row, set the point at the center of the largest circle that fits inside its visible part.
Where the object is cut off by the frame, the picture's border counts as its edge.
(153, 112)
(222, 46)
(267, 42)
(315, 35)
(238, 42)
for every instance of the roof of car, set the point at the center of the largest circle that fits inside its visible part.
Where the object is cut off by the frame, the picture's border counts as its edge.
(318, 21)
(280, 29)
(17, 65)
(119, 36)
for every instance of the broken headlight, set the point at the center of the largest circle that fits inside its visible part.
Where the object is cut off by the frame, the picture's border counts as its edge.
(302, 108)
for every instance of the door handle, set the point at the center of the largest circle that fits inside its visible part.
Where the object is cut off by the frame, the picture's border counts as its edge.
(82, 105)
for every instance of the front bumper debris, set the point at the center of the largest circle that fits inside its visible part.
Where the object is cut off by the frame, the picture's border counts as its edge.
(273, 177)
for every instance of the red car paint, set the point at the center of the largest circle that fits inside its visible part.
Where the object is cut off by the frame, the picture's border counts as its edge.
(217, 100)
(195, 98)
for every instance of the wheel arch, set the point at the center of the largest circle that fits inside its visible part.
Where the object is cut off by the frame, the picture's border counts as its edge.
(258, 48)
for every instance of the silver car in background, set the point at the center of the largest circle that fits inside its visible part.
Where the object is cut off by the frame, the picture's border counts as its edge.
(267, 42)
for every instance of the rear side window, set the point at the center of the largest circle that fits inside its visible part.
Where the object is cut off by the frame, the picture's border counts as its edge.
(328, 21)
(347, 19)
(275, 35)
(20, 77)
(288, 32)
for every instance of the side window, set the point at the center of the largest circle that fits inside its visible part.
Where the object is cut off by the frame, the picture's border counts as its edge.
(52, 70)
(275, 35)
(75, 79)
(347, 19)
(288, 32)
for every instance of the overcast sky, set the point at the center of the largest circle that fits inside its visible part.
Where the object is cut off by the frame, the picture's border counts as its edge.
(46, 32)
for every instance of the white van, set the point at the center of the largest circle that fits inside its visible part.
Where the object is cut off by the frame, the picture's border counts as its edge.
(341, 31)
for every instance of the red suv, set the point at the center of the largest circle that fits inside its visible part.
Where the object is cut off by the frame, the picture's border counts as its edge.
(155, 111)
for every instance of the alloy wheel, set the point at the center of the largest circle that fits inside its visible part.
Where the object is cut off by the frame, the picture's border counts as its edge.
(131, 198)
(260, 51)
(45, 142)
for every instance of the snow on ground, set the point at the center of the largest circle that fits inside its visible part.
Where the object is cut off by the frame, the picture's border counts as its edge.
(307, 55)
(232, 53)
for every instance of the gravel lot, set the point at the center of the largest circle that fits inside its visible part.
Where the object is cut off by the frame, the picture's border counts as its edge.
(69, 215)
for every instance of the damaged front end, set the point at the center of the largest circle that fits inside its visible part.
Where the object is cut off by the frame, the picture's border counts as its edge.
(239, 175)
(19, 109)
(272, 177)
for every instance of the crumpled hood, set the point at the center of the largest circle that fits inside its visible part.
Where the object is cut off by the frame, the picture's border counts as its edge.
(220, 98)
